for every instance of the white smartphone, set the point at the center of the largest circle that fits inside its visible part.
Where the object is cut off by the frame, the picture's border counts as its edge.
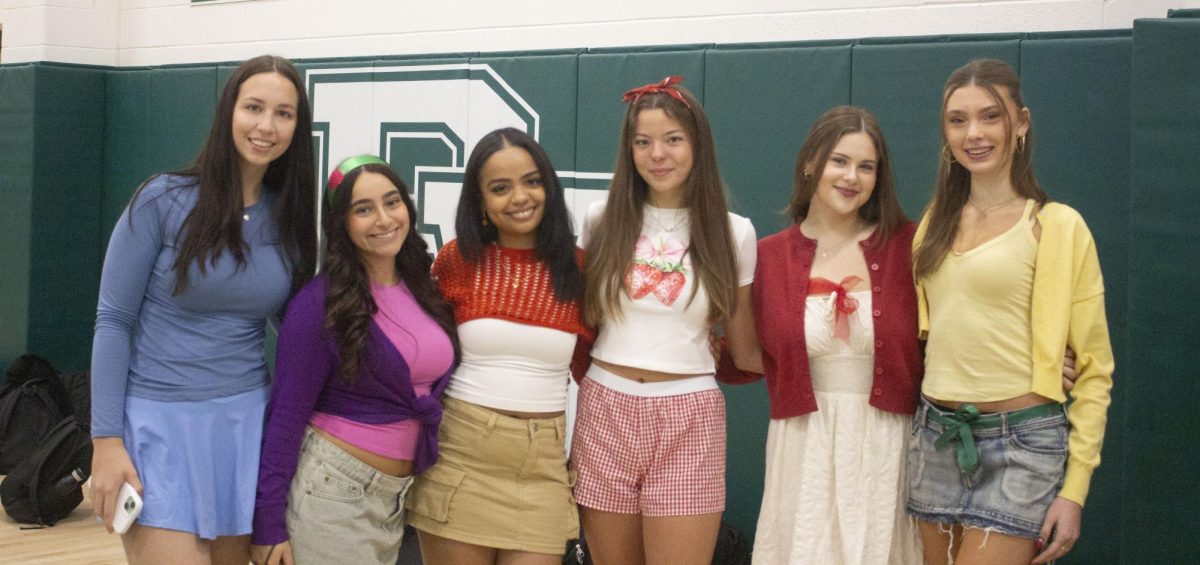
(129, 505)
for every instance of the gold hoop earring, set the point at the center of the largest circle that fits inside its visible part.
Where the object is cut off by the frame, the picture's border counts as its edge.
(947, 156)
(1021, 144)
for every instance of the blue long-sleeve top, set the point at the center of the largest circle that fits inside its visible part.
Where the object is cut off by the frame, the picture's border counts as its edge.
(205, 342)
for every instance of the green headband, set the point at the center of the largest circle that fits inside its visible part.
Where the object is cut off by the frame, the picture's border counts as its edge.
(343, 170)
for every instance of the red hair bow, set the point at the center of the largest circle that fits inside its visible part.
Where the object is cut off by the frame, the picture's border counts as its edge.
(666, 86)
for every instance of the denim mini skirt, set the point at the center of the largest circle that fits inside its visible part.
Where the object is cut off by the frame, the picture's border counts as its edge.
(996, 472)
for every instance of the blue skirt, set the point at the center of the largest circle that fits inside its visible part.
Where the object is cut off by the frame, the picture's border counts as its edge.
(198, 461)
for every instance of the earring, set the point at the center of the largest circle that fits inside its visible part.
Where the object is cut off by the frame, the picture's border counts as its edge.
(807, 174)
(1021, 144)
(483, 221)
(947, 156)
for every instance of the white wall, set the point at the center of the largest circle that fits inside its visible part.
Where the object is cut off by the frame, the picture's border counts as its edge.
(154, 32)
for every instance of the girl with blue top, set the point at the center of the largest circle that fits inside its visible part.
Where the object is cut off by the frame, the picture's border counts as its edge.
(365, 350)
(197, 263)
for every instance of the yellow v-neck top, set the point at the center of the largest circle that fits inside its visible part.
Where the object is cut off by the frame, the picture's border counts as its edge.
(980, 334)
(1067, 310)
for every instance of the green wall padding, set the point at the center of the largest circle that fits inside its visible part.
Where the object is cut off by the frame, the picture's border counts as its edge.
(64, 260)
(16, 215)
(157, 121)
(1078, 94)
(1159, 498)
(550, 85)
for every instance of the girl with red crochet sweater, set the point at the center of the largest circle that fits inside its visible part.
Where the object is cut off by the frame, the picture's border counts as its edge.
(500, 491)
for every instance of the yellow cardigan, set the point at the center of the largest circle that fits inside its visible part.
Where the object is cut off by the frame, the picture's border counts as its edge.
(1068, 309)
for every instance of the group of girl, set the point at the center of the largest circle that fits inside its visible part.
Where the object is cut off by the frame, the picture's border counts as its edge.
(433, 393)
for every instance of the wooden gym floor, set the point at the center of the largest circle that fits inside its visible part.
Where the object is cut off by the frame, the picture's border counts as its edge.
(78, 540)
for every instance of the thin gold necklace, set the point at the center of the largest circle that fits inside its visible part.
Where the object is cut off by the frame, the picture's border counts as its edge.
(678, 217)
(989, 208)
(832, 249)
(506, 263)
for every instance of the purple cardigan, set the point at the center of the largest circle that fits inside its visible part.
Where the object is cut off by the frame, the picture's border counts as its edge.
(306, 362)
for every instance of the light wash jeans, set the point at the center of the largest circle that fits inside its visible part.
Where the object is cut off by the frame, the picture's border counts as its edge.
(340, 510)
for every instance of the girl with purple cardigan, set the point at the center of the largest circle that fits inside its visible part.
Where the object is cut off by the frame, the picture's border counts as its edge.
(364, 352)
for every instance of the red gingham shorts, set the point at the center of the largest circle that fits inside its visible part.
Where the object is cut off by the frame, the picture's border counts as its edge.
(654, 456)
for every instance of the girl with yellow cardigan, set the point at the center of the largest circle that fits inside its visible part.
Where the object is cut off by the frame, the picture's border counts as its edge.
(1000, 463)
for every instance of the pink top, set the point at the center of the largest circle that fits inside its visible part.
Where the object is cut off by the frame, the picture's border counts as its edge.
(395, 440)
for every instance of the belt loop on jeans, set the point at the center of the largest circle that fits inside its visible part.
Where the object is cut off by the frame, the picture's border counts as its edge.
(957, 426)
(493, 417)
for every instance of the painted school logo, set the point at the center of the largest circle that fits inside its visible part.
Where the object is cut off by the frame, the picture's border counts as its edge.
(425, 120)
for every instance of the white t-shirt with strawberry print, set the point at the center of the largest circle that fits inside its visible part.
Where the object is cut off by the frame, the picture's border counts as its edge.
(662, 327)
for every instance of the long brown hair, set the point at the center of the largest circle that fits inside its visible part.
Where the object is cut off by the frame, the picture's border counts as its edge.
(882, 208)
(613, 238)
(215, 223)
(348, 303)
(953, 186)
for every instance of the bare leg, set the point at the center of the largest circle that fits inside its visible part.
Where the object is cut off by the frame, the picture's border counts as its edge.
(991, 548)
(508, 557)
(937, 539)
(230, 550)
(681, 539)
(613, 539)
(437, 550)
(150, 546)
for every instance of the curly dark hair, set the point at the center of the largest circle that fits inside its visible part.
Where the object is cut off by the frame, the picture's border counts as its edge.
(349, 306)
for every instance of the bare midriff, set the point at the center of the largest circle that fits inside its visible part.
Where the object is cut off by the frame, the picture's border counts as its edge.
(1006, 405)
(642, 375)
(385, 465)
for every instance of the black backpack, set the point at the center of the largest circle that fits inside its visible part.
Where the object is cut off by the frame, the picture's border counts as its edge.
(47, 485)
(78, 387)
(33, 400)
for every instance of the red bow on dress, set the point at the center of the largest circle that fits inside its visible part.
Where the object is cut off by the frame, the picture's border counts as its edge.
(843, 303)
(666, 85)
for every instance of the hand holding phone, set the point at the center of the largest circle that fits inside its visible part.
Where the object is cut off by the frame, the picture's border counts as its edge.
(129, 505)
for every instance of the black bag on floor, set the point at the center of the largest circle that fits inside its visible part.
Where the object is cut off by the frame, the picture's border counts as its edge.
(47, 485)
(79, 392)
(32, 401)
(732, 548)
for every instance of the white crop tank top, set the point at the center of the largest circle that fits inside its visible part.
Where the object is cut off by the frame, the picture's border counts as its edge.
(511, 366)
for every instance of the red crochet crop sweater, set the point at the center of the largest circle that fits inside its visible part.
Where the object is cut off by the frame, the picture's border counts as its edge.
(512, 285)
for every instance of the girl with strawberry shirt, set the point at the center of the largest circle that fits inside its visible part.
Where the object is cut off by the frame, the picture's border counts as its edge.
(666, 262)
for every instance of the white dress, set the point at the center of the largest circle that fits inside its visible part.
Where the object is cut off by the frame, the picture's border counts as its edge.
(835, 484)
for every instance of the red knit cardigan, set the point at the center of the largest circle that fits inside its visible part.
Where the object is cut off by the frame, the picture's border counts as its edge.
(780, 289)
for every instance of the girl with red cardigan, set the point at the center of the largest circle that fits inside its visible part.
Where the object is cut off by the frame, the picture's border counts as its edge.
(836, 315)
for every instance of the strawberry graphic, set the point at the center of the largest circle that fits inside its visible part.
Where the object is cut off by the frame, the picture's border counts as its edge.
(641, 279)
(667, 290)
